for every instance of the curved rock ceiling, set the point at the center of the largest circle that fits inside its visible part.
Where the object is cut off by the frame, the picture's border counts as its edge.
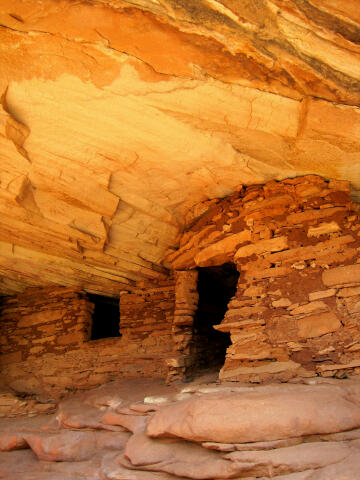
(117, 117)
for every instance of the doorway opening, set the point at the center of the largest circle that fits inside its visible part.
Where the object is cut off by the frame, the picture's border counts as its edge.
(106, 317)
(216, 287)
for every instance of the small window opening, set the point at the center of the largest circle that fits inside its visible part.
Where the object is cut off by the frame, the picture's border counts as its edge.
(216, 287)
(106, 317)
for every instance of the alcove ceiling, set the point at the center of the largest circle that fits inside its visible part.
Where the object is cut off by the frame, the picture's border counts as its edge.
(118, 117)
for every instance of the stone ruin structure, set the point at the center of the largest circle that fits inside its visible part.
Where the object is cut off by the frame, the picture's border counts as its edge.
(282, 280)
(275, 267)
(179, 239)
(296, 308)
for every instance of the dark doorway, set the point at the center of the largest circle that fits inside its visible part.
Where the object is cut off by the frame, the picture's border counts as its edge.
(216, 287)
(106, 317)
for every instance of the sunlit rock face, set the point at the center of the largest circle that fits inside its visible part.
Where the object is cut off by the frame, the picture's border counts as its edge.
(119, 117)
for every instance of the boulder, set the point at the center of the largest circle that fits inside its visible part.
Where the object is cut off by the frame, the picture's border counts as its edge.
(75, 414)
(70, 446)
(131, 423)
(177, 457)
(257, 415)
(63, 447)
(12, 441)
(341, 275)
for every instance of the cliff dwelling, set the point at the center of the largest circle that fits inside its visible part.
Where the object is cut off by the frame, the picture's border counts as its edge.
(179, 239)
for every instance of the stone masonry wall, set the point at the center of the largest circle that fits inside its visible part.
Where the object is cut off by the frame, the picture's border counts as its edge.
(147, 313)
(45, 347)
(186, 301)
(296, 244)
(43, 320)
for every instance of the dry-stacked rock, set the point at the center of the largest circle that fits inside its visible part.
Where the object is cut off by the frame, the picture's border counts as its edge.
(45, 346)
(297, 307)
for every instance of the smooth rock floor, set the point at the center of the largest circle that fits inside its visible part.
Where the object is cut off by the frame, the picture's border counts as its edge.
(142, 429)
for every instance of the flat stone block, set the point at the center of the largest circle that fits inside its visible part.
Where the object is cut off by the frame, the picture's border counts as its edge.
(341, 275)
(317, 325)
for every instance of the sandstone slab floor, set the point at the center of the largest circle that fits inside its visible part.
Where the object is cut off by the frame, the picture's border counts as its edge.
(142, 429)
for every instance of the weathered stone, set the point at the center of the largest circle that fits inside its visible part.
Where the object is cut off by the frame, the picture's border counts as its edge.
(325, 368)
(311, 307)
(66, 446)
(41, 317)
(267, 369)
(348, 292)
(12, 441)
(341, 275)
(247, 447)
(273, 245)
(217, 253)
(277, 414)
(347, 470)
(132, 423)
(323, 229)
(312, 215)
(112, 470)
(292, 459)
(71, 338)
(261, 273)
(282, 302)
(317, 325)
(231, 325)
(253, 291)
(324, 250)
(274, 411)
(243, 312)
(321, 294)
(178, 458)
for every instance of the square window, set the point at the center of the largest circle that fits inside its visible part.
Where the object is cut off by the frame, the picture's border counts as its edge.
(106, 317)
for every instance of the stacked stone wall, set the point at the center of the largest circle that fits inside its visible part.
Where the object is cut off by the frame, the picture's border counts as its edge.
(43, 320)
(147, 312)
(46, 347)
(296, 245)
(186, 301)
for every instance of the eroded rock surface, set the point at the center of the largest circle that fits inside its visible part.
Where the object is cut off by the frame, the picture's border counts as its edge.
(307, 443)
(231, 417)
